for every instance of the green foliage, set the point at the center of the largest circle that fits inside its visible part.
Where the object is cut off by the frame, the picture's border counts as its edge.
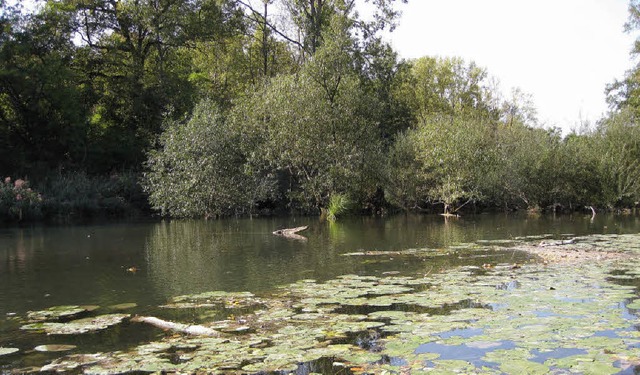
(468, 147)
(41, 110)
(404, 187)
(338, 205)
(312, 18)
(18, 201)
(619, 138)
(78, 196)
(201, 168)
(625, 93)
(318, 133)
(446, 86)
(449, 151)
(90, 87)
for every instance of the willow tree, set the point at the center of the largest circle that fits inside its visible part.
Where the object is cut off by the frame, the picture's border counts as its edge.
(450, 142)
(319, 134)
(200, 168)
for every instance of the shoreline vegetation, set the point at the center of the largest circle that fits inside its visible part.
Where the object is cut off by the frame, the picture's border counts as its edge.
(80, 198)
(212, 109)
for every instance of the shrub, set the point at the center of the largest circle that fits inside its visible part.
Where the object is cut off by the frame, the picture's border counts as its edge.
(201, 168)
(80, 195)
(18, 201)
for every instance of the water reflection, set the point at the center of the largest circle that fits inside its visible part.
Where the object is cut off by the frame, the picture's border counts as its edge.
(192, 256)
(234, 255)
(43, 266)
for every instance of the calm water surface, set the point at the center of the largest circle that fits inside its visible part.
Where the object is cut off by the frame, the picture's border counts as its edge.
(45, 266)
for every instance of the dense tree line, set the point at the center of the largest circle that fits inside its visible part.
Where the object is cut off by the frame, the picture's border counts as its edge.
(225, 107)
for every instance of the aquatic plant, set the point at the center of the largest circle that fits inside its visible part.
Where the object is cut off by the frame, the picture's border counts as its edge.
(338, 205)
(527, 318)
(7, 351)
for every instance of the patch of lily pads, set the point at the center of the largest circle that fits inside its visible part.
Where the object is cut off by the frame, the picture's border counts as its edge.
(534, 319)
(57, 313)
(229, 300)
(79, 326)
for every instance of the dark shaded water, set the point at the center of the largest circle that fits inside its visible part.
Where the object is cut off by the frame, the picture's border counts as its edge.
(46, 266)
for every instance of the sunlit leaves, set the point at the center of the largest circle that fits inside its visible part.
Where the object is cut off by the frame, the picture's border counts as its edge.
(201, 170)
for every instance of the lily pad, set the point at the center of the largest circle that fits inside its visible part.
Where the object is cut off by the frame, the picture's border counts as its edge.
(7, 351)
(524, 367)
(79, 326)
(123, 306)
(511, 319)
(72, 362)
(56, 313)
(634, 305)
(54, 348)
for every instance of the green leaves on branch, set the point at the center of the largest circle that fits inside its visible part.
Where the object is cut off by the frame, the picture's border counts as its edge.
(201, 168)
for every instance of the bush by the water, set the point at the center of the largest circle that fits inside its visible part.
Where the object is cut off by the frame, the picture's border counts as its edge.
(72, 196)
(78, 195)
(18, 201)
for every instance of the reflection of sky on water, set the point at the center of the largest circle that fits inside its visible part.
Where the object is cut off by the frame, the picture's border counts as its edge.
(464, 352)
(542, 356)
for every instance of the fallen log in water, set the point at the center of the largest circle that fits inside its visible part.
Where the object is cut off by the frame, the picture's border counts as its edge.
(195, 330)
(292, 233)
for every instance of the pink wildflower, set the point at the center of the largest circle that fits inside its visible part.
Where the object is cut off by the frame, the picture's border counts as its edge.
(19, 183)
(7, 180)
(19, 197)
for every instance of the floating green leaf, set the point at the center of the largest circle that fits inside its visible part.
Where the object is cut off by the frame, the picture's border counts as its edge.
(7, 351)
(123, 306)
(509, 319)
(56, 313)
(54, 348)
(78, 326)
(523, 367)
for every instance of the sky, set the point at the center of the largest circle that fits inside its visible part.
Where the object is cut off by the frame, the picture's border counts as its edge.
(562, 52)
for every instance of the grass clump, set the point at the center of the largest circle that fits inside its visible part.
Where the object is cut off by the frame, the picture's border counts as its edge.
(338, 205)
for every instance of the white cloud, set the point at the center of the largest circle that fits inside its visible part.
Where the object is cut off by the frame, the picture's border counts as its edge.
(563, 52)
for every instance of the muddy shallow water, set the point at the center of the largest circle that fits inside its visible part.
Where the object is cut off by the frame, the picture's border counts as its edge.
(403, 294)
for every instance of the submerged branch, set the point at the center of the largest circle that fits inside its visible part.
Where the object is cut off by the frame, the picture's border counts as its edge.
(194, 330)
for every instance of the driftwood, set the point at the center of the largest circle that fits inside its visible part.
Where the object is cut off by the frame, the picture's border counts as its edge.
(194, 330)
(291, 233)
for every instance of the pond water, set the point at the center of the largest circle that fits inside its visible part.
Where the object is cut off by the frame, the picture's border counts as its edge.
(93, 264)
(149, 263)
